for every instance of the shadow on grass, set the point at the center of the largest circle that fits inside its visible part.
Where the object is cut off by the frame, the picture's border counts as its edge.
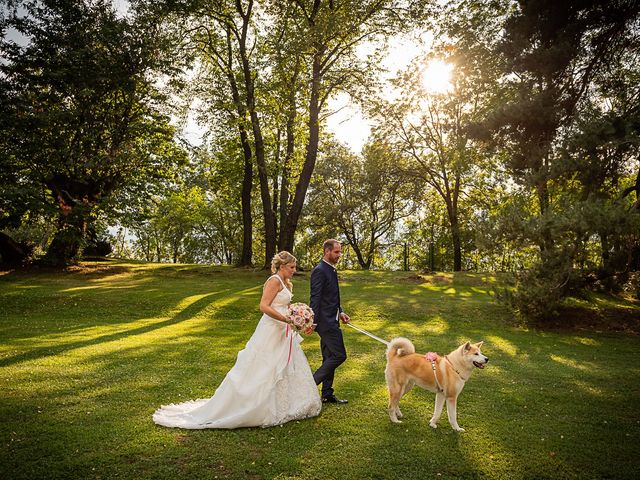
(49, 307)
(185, 314)
(541, 409)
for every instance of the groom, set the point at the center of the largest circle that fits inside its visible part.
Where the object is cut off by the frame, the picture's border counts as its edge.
(325, 303)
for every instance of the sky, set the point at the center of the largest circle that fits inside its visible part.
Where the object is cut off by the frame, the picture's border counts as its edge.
(349, 125)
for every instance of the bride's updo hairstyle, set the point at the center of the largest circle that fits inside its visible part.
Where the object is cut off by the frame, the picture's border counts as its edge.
(282, 258)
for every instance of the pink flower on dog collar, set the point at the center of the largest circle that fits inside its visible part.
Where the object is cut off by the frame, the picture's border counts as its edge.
(431, 356)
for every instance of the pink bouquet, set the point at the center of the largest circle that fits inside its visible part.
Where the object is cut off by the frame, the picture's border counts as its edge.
(300, 317)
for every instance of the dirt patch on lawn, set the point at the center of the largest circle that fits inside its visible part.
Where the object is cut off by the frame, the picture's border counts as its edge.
(97, 270)
(88, 269)
(415, 279)
(625, 320)
(432, 279)
(441, 280)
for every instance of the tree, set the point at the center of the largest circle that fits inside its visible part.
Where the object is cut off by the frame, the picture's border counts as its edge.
(80, 110)
(430, 129)
(552, 53)
(218, 70)
(332, 30)
(569, 139)
(176, 219)
(599, 161)
(307, 53)
(362, 197)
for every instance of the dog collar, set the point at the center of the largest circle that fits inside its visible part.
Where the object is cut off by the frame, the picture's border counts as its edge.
(454, 368)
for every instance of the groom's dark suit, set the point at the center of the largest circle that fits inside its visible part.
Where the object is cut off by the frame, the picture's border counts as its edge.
(325, 303)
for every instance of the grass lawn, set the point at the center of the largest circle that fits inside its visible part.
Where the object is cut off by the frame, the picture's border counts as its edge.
(87, 356)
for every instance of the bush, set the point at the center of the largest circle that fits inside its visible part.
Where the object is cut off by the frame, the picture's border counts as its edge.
(540, 290)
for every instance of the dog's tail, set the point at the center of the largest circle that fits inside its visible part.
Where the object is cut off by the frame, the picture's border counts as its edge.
(399, 347)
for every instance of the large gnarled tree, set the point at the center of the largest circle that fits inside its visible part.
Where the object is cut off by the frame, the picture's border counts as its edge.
(80, 117)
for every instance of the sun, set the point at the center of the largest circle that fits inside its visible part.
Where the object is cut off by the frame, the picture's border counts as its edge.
(436, 77)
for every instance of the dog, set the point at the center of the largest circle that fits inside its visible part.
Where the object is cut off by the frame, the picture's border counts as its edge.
(445, 376)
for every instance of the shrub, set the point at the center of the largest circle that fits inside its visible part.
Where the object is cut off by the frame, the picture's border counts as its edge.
(540, 290)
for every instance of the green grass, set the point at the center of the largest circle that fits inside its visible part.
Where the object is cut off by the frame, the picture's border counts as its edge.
(87, 356)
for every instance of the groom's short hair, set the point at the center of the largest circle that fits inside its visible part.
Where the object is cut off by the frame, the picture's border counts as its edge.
(329, 244)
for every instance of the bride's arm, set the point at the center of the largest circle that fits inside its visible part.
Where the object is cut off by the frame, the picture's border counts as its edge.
(268, 294)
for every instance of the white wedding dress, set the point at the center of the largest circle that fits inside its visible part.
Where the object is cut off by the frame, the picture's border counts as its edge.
(270, 384)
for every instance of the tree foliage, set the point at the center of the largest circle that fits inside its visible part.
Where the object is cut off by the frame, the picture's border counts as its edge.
(81, 114)
(278, 64)
(568, 123)
(361, 197)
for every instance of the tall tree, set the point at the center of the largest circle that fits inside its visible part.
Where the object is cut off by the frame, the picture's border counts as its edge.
(307, 53)
(430, 129)
(333, 30)
(552, 52)
(362, 197)
(561, 145)
(228, 46)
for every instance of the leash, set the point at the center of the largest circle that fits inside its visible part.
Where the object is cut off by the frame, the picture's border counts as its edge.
(431, 356)
(368, 334)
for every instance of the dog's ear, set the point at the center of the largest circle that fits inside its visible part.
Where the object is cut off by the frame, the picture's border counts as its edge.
(467, 346)
(479, 344)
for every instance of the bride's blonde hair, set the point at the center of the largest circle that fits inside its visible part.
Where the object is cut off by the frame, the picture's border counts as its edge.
(282, 258)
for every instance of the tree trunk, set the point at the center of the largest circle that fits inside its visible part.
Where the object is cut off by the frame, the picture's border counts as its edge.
(286, 240)
(542, 192)
(311, 156)
(247, 73)
(11, 252)
(267, 210)
(246, 257)
(457, 245)
(276, 174)
(604, 250)
(67, 242)
(176, 249)
(364, 264)
(452, 213)
(286, 235)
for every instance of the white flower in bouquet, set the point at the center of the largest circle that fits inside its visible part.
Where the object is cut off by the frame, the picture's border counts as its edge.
(300, 316)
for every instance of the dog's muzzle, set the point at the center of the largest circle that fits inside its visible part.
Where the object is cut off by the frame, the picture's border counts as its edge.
(481, 365)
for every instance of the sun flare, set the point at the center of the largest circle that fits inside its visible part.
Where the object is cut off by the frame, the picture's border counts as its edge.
(437, 76)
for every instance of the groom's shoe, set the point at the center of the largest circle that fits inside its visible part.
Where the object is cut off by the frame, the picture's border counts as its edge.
(333, 399)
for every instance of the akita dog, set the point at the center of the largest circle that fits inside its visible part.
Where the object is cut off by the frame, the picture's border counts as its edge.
(445, 376)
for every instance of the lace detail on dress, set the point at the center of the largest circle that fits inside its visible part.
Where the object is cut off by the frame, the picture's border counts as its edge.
(296, 393)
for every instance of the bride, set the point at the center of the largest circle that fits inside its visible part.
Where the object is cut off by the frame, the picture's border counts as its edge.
(271, 382)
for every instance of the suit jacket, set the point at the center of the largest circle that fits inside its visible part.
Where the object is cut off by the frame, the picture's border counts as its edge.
(325, 297)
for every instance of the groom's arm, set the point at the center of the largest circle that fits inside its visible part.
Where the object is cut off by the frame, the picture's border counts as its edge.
(317, 285)
(343, 316)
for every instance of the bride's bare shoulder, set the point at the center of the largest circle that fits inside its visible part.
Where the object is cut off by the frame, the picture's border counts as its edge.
(272, 281)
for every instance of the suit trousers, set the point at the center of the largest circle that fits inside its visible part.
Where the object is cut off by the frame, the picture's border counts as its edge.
(333, 355)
